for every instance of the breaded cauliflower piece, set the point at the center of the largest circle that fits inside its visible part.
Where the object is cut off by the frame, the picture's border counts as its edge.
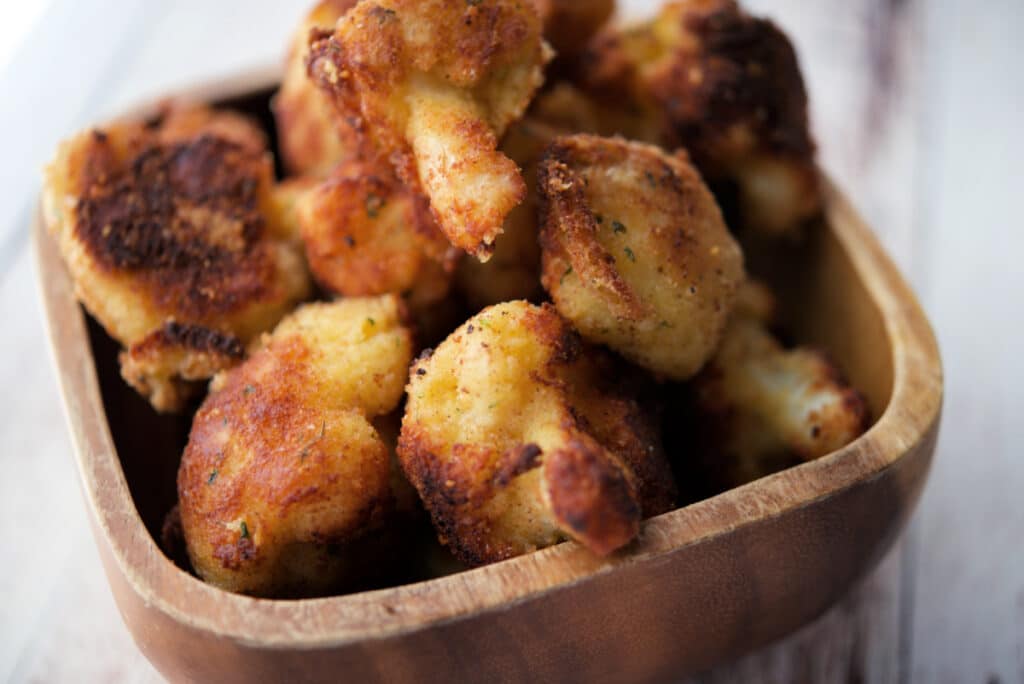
(312, 136)
(284, 466)
(516, 439)
(761, 406)
(513, 271)
(169, 231)
(366, 234)
(434, 84)
(635, 252)
(730, 89)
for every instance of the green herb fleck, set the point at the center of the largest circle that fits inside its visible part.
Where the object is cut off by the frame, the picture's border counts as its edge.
(249, 389)
(371, 321)
(617, 227)
(492, 405)
(650, 178)
(629, 254)
(565, 275)
(599, 219)
(213, 476)
(374, 203)
(664, 324)
(245, 530)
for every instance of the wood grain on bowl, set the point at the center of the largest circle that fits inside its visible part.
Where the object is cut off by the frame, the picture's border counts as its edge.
(703, 583)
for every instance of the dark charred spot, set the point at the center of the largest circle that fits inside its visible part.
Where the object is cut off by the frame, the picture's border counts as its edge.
(184, 219)
(196, 338)
(522, 459)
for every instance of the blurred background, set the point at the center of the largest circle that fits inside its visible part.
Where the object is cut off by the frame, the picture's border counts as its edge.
(916, 106)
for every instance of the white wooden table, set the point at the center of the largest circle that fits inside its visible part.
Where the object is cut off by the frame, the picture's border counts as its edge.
(917, 109)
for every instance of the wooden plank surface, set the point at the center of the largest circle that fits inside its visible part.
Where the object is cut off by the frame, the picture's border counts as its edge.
(916, 107)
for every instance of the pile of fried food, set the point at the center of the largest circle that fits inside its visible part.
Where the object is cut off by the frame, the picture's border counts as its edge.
(495, 253)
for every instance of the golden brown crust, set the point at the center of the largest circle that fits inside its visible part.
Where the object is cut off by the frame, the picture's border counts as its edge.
(431, 86)
(593, 503)
(312, 136)
(728, 88)
(635, 252)
(505, 440)
(283, 464)
(172, 219)
(366, 234)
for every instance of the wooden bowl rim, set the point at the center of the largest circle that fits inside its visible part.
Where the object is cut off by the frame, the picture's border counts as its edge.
(912, 411)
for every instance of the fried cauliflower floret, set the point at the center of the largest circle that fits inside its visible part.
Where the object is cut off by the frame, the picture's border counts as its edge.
(513, 271)
(761, 406)
(569, 24)
(366, 233)
(730, 89)
(169, 226)
(434, 84)
(312, 136)
(284, 467)
(635, 252)
(515, 440)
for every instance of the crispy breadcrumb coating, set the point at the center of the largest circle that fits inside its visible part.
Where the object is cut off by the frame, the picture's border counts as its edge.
(169, 231)
(283, 466)
(434, 84)
(635, 252)
(312, 136)
(366, 233)
(730, 90)
(760, 405)
(516, 439)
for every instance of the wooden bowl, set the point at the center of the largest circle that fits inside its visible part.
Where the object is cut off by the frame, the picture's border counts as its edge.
(703, 583)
